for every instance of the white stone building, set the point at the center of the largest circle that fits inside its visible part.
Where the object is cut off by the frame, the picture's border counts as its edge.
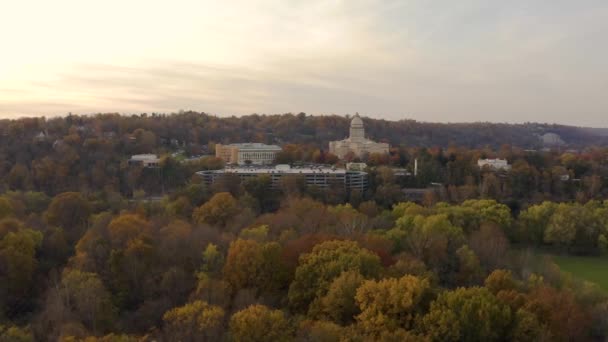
(247, 153)
(146, 160)
(356, 142)
(495, 164)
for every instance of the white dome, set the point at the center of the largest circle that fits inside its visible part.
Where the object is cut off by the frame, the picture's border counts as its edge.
(356, 121)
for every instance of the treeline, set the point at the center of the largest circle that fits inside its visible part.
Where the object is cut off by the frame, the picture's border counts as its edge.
(214, 267)
(201, 128)
(89, 154)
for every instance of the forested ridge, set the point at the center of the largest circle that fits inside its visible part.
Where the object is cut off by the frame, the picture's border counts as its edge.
(201, 128)
(94, 249)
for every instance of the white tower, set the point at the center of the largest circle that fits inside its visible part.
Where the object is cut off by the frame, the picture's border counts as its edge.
(357, 132)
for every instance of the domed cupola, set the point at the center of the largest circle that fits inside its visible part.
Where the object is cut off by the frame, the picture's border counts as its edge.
(357, 132)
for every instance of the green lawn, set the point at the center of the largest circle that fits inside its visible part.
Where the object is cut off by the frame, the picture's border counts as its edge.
(594, 269)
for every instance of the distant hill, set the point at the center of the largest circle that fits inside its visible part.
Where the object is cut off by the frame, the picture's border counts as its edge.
(320, 129)
(201, 128)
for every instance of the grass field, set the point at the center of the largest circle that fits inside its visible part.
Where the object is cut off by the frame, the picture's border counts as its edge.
(594, 269)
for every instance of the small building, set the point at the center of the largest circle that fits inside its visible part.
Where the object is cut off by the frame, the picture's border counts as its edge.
(41, 136)
(400, 172)
(552, 140)
(356, 166)
(416, 194)
(319, 176)
(356, 143)
(145, 160)
(247, 153)
(494, 164)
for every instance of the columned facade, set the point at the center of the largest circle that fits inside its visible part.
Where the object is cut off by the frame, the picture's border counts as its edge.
(356, 142)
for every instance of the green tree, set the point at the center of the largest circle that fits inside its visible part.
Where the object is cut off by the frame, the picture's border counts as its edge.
(15, 334)
(6, 208)
(259, 233)
(562, 228)
(467, 314)
(319, 268)
(527, 327)
(533, 222)
(181, 208)
(432, 239)
(469, 270)
(88, 298)
(213, 259)
(491, 211)
(18, 266)
(577, 228)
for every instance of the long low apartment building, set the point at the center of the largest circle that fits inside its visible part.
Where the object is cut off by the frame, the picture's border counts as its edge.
(319, 176)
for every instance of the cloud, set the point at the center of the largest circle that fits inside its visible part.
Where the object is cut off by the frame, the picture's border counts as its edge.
(428, 60)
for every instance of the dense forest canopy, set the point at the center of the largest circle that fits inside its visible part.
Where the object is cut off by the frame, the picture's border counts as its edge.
(95, 249)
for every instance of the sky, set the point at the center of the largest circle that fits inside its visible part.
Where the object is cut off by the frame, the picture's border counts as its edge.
(428, 60)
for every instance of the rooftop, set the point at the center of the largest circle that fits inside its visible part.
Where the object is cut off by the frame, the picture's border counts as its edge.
(280, 169)
(255, 146)
(144, 156)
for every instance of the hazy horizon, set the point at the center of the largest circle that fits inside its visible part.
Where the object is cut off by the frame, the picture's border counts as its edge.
(431, 61)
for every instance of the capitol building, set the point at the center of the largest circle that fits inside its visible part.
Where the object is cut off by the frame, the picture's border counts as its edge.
(356, 142)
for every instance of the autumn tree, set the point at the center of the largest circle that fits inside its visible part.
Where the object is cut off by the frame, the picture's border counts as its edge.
(339, 303)
(70, 211)
(500, 280)
(217, 211)
(251, 264)
(322, 331)
(258, 323)
(195, 321)
(390, 304)
(133, 254)
(348, 221)
(126, 228)
(559, 311)
(490, 244)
